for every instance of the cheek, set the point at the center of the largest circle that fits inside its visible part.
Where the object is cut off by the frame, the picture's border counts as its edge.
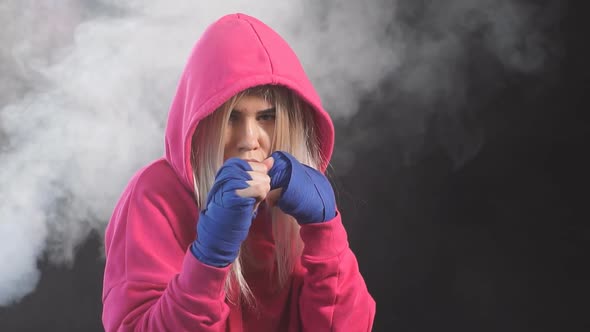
(269, 131)
(227, 142)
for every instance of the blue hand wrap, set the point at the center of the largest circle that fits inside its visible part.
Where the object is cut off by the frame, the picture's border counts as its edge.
(225, 222)
(307, 194)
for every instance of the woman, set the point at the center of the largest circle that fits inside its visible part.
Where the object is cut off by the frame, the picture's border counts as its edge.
(235, 229)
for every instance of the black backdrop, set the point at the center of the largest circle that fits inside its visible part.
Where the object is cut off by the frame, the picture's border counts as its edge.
(497, 243)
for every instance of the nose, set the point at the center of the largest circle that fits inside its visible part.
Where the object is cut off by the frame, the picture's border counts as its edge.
(248, 139)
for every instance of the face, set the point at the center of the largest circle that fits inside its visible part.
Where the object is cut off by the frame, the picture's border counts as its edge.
(250, 129)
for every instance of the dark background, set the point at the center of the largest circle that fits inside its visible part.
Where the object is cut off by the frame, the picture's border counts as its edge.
(494, 243)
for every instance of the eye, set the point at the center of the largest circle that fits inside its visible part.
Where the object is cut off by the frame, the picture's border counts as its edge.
(267, 117)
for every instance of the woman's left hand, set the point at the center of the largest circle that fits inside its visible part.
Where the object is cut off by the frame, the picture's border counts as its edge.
(307, 195)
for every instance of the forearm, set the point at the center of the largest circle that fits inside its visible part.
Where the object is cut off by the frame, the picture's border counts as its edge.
(193, 299)
(334, 295)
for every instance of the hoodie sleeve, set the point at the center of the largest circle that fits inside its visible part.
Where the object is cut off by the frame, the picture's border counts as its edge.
(152, 282)
(334, 296)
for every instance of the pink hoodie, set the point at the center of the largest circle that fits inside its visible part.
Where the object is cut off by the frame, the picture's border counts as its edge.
(152, 282)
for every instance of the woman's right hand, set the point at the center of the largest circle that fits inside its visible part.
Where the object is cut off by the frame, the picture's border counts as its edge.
(224, 224)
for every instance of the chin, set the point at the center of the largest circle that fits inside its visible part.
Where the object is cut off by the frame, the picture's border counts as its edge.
(249, 158)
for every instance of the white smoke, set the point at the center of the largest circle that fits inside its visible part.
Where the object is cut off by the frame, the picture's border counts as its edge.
(438, 46)
(86, 86)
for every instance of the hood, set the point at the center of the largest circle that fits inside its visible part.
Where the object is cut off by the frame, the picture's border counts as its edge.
(235, 53)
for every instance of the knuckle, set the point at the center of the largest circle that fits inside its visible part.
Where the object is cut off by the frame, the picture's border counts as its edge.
(262, 188)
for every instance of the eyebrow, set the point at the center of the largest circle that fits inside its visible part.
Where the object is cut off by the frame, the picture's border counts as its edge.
(267, 111)
(271, 110)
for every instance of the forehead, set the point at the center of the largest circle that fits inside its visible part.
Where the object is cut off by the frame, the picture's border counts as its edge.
(252, 103)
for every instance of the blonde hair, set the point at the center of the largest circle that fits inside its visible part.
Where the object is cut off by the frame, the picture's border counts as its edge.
(294, 133)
